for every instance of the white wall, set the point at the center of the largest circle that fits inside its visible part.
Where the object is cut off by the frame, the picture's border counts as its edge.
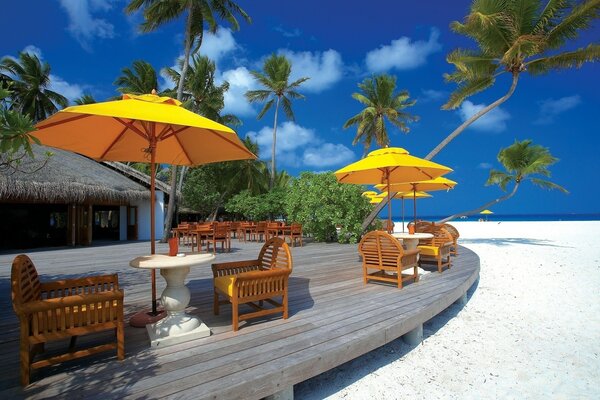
(144, 217)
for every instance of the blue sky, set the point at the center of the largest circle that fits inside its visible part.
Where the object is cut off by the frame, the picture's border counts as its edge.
(338, 44)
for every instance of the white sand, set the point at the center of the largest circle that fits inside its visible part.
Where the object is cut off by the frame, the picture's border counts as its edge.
(531, 327)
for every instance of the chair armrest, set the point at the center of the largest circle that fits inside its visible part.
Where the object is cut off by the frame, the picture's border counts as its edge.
(235, 267)
(69, 301)
(411, 252)
(265, 274)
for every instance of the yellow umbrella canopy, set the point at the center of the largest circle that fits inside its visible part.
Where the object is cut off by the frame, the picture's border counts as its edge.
(370, 193)
(390, 165)
(375, 200)
(486, 212)
(145, 128)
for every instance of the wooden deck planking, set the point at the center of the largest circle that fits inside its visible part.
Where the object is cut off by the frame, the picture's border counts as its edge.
(334, 317)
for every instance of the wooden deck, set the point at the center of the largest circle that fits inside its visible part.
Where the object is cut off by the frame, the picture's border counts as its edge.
(334, 318)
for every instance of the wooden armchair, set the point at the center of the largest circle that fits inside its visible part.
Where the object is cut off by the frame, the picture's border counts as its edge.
(261, 280)
(294, 233)
(219, 233)
(259, 232)
(455, 235)
(50, 311)
(381, 252)
(437, 248)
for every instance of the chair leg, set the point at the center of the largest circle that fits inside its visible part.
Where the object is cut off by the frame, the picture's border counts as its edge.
(25, 359)
(235, 315)
(120, 339)
(73, 342)
(285, 305)
(416, 272)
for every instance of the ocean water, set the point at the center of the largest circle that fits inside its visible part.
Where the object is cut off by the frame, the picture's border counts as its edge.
(511, 217)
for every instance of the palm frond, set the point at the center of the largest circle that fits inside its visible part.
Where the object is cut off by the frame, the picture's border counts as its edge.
(548, 185)
(499, 178)
(580, 18)
(466, 90)
(569, 59)
(266, 108)
(287, 108)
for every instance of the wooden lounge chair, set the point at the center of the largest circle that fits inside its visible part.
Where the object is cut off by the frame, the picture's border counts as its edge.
(381, 252)
(254, 282)
(437, 248)
(455, 235)
(50, 311)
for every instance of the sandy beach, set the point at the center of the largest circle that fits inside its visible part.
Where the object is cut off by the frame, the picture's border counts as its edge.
(530, 329)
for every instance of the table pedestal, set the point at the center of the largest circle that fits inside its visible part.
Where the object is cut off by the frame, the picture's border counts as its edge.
(178, 326)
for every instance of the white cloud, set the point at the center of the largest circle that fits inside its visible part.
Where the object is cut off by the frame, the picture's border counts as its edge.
(323, 69)
(493, 121)
(82, 25)
(432, 95)
(298, 146)
(288, 33)
(484, 165)
(69, 90)
(550, 108)
(240, 81)
(402, 54)
(216, 45)
(327, 155)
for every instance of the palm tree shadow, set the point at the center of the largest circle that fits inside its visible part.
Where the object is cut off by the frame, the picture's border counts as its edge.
(510, 241)
(336, 379)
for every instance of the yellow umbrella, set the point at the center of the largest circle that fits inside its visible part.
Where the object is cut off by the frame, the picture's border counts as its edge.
(375, 200)
(439, 183)
(370, 193)
(486, 213)
(145, 128)
(390, 165)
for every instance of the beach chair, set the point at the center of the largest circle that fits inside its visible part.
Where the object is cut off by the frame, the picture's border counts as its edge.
(56, 310)
(254, 282)
(384, 255)
(294, 233)
(437, 248)
(455, 235)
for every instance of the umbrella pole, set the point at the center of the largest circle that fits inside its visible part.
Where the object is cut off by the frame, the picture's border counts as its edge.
(390, 227)
(153, 218)
(403, 214)
(415, 206)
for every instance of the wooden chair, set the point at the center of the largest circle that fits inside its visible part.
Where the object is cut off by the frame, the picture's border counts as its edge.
(50, 311)
(437, 248)
(261, 280)
(259, 232)
(220, 233)
(455, 235)
(294, 233)
(381, 252)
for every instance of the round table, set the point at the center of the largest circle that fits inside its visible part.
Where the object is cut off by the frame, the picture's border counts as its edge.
(177, 326)
(411, 241)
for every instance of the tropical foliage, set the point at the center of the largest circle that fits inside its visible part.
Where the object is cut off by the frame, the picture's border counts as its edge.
(279, 91)
(320, 203)
(382, 104)
(248, 206)
(522, 161)
(140, 79)
(30, 83)
(514, 37)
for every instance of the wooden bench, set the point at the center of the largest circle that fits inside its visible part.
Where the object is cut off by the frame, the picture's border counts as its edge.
(383, 253)
(248, 282)
(436, 248)
(50, 311)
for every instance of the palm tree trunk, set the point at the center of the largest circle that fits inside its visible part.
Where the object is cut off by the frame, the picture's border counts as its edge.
(479, 209)
(173, 183)
(446, 141)
(272, 182)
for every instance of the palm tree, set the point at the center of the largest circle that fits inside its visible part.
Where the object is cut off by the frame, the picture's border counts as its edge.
(515, 37)
(251, 173)
(86, 98)
(522, 162)
(278, 90)
(141, 79)
(381, 104)
(30, 82)
(199, 13)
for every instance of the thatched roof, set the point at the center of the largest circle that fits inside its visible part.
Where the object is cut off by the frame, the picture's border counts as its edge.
(67, 177)
(137, 176)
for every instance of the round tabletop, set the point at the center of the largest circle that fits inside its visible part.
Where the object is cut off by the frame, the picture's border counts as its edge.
(163, 261)
(417, 235)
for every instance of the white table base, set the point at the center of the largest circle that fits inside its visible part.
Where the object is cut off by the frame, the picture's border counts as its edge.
(177, 326)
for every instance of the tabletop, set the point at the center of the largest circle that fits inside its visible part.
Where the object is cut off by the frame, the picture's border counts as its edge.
(164, 261)
(417, 235)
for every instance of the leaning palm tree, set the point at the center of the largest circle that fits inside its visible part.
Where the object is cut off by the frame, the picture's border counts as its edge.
(522, 162)
(200, 13)
(140, 79)
(278, 90)
(30, 86)
(381, 104)
(514, 37)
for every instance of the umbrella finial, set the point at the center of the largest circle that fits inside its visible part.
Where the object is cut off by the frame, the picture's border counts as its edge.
(154, 91)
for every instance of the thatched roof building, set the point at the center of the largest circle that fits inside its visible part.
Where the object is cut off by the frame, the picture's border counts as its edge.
(67, 178)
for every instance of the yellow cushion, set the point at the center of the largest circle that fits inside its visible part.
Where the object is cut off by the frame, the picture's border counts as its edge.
(225, 284)
(429, 250)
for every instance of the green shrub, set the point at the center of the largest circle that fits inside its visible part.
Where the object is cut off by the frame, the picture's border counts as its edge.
(320, 203)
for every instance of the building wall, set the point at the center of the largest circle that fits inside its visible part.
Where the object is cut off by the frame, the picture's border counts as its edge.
(144, 217)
